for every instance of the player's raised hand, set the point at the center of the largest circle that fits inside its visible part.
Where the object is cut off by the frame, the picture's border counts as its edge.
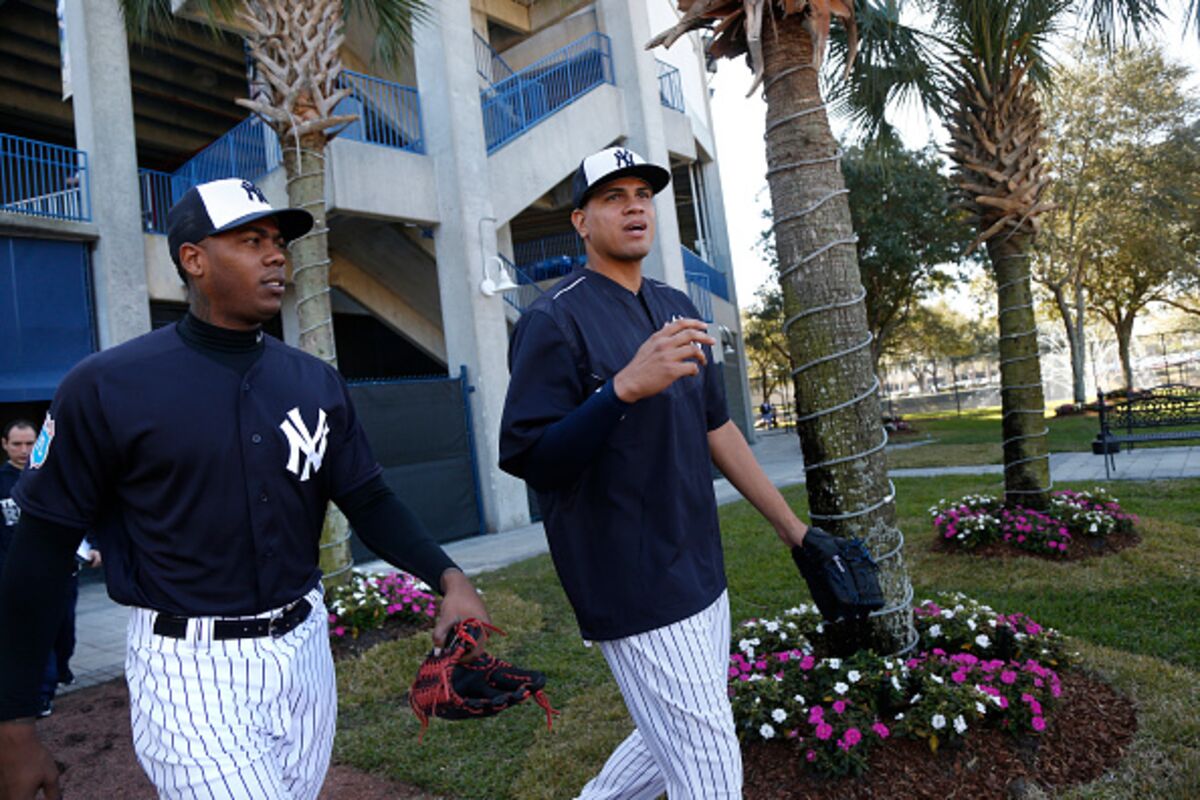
(25, 765)
(670, 354)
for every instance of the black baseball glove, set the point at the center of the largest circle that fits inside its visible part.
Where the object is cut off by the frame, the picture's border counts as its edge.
(840, 573)
(451, 688)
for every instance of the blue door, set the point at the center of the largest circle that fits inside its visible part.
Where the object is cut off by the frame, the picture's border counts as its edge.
(46, 320)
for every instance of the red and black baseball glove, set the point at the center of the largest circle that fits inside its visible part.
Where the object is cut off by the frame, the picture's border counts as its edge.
(450, 688)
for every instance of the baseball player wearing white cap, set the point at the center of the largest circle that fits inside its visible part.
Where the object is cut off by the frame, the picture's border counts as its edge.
(614, 413)
(206, 453)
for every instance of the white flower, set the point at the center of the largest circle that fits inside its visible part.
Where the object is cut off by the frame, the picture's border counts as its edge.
(766, 731)
(935, 631)
(996, 699)
(841, 688)
(834, 663)
(915, 698)
(937, 679)
(799, 699)
(783, 636)
(887, 663)
(982, 640)
(820, 627)
(755, 677)
(747, 645)
(960, 725)
(938, 722)
(980, 707)
(947, 614)
(779, 715)
(854, 676)
(772, 626)
(971, 624)
(899, 716)
(896, 683)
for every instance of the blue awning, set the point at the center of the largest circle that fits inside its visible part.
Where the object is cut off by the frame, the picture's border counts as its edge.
(46, 324)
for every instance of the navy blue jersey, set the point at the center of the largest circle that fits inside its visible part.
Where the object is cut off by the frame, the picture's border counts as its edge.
(635, 538)
(207, 488)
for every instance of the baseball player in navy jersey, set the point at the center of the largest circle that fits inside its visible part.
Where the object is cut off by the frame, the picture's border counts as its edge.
(205, 454)
(614, 413)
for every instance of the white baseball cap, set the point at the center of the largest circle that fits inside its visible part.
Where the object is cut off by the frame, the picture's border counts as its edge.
(610, 164)
(222, 205)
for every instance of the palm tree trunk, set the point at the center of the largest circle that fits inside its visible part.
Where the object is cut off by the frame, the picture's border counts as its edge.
(826, 326)
(305, 168)
(1026, 463)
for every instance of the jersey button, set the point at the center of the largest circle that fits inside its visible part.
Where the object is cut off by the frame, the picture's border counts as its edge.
(255, 438)
(245, 387)
(263, 497)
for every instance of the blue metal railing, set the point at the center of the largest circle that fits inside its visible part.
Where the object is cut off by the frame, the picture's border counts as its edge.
(249, 149)
(490, 65)
(389, 113)
(670, 87)
(43, 179)
(717, 282)
(551, 256)
(700, 294)
(157, 198)
(527, 290)
(515, 104)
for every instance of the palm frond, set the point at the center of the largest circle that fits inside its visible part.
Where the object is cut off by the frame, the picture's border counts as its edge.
(393, 22)
(146, 18)
(1114, 22)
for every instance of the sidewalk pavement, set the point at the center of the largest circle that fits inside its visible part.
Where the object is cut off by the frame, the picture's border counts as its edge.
(100, 623)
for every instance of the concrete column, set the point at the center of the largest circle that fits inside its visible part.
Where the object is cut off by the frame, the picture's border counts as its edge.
(722, 258)
(627, 23)
(103, 107)
(475, 329)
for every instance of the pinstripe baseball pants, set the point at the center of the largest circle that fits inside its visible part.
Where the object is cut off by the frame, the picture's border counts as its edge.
(673, 680)
(235, 719)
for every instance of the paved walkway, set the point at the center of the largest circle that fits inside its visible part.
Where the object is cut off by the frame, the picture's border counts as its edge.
(100, 623)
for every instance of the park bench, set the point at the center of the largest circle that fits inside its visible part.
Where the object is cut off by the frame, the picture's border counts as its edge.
(1170, 406)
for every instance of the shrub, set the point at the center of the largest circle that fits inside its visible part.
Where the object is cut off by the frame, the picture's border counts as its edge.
(976, 520)
(366, 602)
(974, 667)
(1068, 410)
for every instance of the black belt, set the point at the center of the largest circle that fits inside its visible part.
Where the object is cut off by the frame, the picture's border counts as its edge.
(286, 620)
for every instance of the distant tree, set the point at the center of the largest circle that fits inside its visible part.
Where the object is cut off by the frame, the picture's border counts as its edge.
(899, 202)
(766, 346)
(1122, 157)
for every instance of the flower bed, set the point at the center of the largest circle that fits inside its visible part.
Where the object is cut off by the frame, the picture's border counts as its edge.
(972, 669)
(1084, 519)
(367, 602)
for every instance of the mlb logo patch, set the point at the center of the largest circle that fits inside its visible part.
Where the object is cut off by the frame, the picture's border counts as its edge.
(41, 447)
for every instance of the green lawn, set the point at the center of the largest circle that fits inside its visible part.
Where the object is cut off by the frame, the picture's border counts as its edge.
(974, 438)
(1132, 615)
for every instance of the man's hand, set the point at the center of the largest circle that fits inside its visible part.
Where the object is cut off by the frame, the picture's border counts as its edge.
(25, 765)
(94, 559)
(459, 601)
(668, 355)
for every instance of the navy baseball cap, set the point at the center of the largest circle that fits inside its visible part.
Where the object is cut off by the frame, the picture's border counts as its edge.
(219, 206)
(610, 164)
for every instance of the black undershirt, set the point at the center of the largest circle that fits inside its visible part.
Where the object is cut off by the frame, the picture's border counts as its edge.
(32, 586)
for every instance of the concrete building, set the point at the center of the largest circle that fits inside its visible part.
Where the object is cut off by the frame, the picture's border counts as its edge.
(454, 180)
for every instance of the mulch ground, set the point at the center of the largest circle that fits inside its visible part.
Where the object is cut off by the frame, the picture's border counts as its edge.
(1088, 734)
(394, 628)
(1080, 548)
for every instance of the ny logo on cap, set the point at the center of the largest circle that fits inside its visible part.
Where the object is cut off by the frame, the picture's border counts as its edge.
(624, 158)
(253, 192)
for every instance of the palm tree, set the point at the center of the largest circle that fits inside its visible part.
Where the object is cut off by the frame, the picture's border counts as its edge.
(296, 46)
(981, 67)
(837, 402)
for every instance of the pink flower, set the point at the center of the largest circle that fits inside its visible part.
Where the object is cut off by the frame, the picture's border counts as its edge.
(852, 736)
(839, 706)
(810, 756)
(881, 730)
(824, 731)
(333, 617)
(807, 662)
(733, 672)
(958, 676)
(815, 714)
(339, 631)
(1039, 723)
(793, 733)
(1008, 677)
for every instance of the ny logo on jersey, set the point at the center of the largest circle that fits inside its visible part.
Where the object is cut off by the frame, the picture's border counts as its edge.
(624, 158)
(301, 442)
